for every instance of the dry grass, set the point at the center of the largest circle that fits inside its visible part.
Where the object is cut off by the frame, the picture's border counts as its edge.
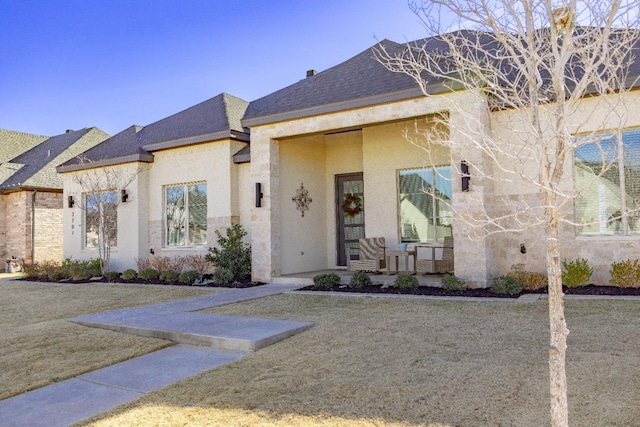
(38, 345)
(372, 362)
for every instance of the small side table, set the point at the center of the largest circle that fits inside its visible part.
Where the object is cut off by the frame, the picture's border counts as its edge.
(397, 255)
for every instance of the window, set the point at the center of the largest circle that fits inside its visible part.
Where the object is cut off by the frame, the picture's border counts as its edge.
(186, 214)
(608, 171)
(425, 204)
(100, 219)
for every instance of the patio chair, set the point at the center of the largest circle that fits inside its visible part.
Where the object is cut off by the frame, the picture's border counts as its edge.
(372, 255)
(445, 265)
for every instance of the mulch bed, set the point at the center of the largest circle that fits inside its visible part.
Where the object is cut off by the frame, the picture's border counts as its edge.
(477, 293)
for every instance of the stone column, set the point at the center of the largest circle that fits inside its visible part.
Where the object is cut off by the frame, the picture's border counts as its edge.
(265, 224)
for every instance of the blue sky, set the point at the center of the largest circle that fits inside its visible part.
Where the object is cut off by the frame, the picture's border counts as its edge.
(70, 64)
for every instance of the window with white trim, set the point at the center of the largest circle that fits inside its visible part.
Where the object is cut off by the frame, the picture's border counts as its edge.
(186, 214)
(424, 197)
(607, 171)
(100, 219)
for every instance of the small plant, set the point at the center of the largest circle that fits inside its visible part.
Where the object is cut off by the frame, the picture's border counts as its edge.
(56, 273)
(406, 281)
(576, 273)
(359, 280)
(169, 276)
(232, 254)
(148, 274)
(625, 274)
(453, 283)
(161, 264)
(528, 279)
(143, 263)
(327, 280)
(506, 285)
(197, 263)
(222, 276)
(189, 277)
(129, 274)
(112, 275)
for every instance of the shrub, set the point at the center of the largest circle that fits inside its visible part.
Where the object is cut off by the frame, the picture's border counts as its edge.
(506, 285)
(148, 274)
(359, 280)
(528, 279)
(129, 274)
(56, 273)
(197, 263)
(576, 273)
(169, 276)
(327, 280)
(453, 283)
(232, 254)
(161, 264)
(40, 270)
(112, 275)
(222, 276)
(406, 281)
(625, 274)
(189, 277)
(143, 263)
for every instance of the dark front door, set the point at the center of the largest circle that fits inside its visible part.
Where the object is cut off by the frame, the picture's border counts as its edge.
(350, 228)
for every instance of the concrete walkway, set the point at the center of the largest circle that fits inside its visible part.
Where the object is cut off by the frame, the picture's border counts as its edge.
(219, 339)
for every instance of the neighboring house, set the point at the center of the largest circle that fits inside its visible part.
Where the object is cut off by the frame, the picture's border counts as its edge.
(339, 132)
(31, 191)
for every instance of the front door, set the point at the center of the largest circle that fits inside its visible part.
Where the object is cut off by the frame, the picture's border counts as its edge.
(350, 227)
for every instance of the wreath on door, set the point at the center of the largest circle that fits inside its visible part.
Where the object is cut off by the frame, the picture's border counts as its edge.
(352, 204)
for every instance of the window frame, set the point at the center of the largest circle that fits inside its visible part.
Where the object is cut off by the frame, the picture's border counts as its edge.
(436, 202)
(186, 240)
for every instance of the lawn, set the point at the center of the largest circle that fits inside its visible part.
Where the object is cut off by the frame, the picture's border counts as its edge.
(38, 345)
(400, 362)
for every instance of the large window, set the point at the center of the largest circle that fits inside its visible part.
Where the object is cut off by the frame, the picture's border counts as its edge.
(608, 172)
(100, 219)
(425, 204)
(186, 214)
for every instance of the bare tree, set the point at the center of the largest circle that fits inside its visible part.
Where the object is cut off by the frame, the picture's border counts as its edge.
(102, 189)
(540, 59)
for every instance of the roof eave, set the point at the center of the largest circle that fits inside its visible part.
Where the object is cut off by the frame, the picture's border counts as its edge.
(140, 157)
(175, 143)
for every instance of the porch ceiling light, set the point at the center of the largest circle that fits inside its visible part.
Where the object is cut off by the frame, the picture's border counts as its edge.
(302, 199)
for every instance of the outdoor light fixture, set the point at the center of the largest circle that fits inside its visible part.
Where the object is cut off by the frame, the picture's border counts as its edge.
(465, 177)
(70, 201)
(124, 196)
(259, 195)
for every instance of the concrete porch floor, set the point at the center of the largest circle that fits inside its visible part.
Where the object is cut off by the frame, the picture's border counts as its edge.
(306, 279)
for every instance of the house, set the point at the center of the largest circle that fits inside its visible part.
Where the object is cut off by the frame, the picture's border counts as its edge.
(31, 191)
(284, 164)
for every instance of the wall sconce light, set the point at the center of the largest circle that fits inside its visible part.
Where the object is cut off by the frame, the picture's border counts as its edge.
(465, 177)
(70, 201)
(523, 248)
(259, 195)
(151, 251)
(124, 196)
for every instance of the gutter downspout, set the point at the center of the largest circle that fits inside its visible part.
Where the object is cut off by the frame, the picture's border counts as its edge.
(33, 227)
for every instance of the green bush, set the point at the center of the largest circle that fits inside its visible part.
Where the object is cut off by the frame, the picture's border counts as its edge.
(406, 281)
(148, 274)
(56, 273)
(327, 280)
(169, 276)
(576, 273)
(453, 283)
(222, 276)
(112, 275)
(129, 274)
(189, 277)
(232, 256)
(625, 274)
(359, 280)
(506, 285)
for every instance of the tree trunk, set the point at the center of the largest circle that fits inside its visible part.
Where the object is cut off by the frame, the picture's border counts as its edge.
(557, 326)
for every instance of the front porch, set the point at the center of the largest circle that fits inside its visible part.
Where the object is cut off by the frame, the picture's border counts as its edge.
(306, 278)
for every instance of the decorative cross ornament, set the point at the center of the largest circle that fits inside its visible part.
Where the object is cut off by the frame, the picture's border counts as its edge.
(302, 199)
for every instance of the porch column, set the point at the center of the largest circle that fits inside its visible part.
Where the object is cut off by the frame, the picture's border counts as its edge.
(265, 223)
(469, 121)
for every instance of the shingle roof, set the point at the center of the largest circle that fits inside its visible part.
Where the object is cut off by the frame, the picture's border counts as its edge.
(14, 143)
(35, 167)
(350, 84)
(214, 119)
